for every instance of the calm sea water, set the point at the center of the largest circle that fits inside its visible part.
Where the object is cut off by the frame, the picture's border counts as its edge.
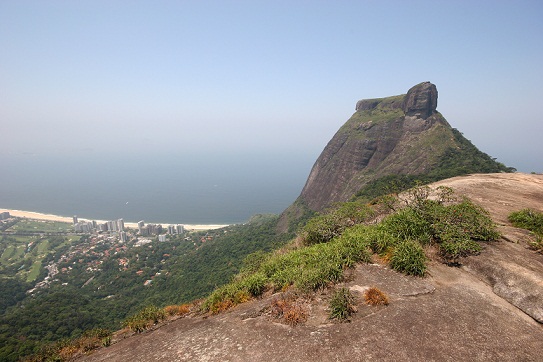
(169, 189)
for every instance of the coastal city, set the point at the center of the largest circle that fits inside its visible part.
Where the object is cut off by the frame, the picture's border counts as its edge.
(118, 227)
(46, 251)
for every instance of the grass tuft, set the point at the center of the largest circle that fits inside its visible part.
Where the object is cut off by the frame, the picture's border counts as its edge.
(342, 305)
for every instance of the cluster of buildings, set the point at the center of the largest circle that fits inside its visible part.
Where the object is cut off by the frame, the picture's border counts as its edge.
(93, 226)
(156, 229)
(4, 215)
(117, 226)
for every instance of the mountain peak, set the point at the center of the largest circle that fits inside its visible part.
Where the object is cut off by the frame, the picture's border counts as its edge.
(392, 137)
(420, 100)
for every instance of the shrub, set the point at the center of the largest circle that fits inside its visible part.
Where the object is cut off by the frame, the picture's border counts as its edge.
(374, 296)
(453, 250)
(325, 227)
(407, 223)
(408, 257)
(531, 220)
(528, 219)
(342, 304)
(252, 262)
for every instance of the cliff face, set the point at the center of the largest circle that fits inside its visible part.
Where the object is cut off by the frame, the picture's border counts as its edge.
(399, 135)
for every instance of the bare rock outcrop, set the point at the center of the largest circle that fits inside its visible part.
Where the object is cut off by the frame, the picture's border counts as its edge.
(421, 100)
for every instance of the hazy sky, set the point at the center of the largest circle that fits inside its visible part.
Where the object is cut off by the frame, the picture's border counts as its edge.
(230, 77)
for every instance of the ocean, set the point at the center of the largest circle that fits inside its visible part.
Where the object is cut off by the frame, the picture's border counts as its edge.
(176, 189)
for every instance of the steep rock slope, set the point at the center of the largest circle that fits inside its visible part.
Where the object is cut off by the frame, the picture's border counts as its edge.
(399, 135)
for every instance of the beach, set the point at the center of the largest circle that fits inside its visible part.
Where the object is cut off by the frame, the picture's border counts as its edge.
(51, 217)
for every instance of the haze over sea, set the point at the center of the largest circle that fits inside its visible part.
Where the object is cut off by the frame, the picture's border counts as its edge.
(177, 188)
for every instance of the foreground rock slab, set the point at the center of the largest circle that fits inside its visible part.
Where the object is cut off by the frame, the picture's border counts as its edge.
(448, 316)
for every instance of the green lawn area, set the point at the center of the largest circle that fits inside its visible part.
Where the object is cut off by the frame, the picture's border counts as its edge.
(19, 252)
(34, 270)
(42, 247)
(28, 225)
(6, 255)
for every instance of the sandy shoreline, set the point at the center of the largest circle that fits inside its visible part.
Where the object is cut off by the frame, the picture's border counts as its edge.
(51, 217)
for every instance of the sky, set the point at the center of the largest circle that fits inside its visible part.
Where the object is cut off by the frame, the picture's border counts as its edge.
(275, 78)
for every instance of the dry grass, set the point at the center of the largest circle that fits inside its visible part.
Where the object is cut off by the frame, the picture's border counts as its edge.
(373, 296)
(173, 310)
(290, 311)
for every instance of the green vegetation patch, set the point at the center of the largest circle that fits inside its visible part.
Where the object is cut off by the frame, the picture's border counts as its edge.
(325, 227)
(307, 268)
(144, 319)
(531, 220)
(408, 257)
(337, 240)
(34, 271)
(43, 226)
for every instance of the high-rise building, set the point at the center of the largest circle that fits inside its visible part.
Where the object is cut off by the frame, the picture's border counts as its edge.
(111, 226)
(75, 219)
(162, 237)
(141, 224)
(171, 229)
(180, 229)
(123, 236)
(83, 227)
(120, 225)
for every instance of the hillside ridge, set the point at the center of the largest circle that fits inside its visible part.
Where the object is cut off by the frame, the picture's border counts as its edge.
(475, 312)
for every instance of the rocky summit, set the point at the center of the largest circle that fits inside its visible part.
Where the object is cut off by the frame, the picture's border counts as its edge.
(398, 135)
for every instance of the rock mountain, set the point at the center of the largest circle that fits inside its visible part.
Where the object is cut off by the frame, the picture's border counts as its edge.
(490, 308)
(398, 135)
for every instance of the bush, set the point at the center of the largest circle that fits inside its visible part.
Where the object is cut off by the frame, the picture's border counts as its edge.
(459, 248)
(406, 224)
(408, 257)
(342, 304)
(374, 296)
(528, 219)
(531, 220)
(325, 227)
